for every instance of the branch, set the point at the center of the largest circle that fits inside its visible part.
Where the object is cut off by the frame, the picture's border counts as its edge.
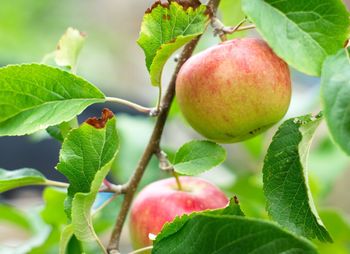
(153, 144)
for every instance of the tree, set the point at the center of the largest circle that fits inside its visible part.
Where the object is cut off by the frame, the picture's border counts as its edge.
(310, 36)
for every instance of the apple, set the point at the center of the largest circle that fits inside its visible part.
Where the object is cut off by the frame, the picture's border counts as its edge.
(162, 201)
(234, 90)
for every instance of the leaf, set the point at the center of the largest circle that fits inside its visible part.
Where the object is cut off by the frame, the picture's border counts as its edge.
(324, 154)
(173, 227)
(81, 208)
(53, 212)
(195, 157)
(59, 131)
(289, 201)
(69, 47)
(39, 232)
(339, 226)
(226, 233)
(165, 28)
(335, 93)
(251, 195)
(303, 33)
(34, 97)
(54, 215)
(66, 235)
(74, 246)
(85, 159)
(11, 214)
(20, 177)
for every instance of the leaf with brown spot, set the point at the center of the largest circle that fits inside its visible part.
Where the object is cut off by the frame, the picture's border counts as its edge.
(166, 27)
(100, 123)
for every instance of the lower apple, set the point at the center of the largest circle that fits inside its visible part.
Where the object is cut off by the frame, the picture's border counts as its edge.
(162, 201)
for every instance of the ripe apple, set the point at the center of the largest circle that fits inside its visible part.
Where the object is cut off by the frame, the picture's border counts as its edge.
(234, 91)
(162, 201)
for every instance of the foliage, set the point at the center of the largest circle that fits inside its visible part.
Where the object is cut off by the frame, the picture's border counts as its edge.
(302, 34)
(335, 96)
(308, 35)
(196, 157)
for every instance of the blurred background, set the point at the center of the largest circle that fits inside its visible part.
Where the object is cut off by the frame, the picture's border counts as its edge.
(112, 60)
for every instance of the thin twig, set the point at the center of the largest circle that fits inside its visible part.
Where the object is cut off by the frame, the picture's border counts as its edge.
(55, 184)
(222, 30)
(153, 144)
(110, 187)
(231, 30)
(141, 250)
(142, 109)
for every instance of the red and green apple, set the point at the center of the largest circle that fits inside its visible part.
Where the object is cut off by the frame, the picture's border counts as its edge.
(234, 90)
(162, 201)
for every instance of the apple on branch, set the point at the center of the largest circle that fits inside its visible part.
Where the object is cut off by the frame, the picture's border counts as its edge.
(162, 201)
(234, 91)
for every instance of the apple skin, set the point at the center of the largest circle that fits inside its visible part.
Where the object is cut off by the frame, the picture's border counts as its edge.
(161, 202)
(234, 90)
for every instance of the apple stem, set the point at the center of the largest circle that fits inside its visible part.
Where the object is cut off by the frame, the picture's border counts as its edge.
(177, 178)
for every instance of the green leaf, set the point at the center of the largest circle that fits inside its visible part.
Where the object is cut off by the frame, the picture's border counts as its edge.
(335, 93)
(34, 97)
(289, 201)
(66, 235)
(54, 215)
(60, 131)
(251, 195)
(226, 233)
(39, 231)
(53, 212)
(167, 27)
(69, 47)
(326, 153)
(195, 157)
(14, 216)
(173, 227)
(85, 159)
(81, 207)
(339, 226)
(303, 33)
(20, 177)
(74, 246)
